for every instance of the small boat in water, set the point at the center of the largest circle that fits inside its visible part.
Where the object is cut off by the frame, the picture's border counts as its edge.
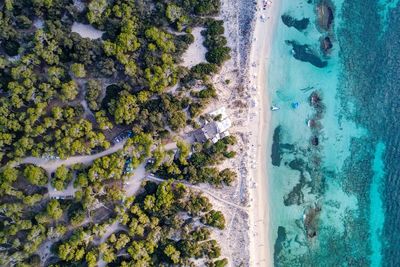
(274, 108)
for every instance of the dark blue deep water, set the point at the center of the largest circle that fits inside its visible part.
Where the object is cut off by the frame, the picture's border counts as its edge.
(371, 55)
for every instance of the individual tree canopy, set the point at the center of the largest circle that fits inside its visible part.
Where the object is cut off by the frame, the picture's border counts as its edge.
(35, 175)
(78, 70)
(125, 108)
(93, 94)
(125, 43)
(54, 209)
(138, 148)
(69, 91)
(96, 9)
(215, 42)
(61, 178)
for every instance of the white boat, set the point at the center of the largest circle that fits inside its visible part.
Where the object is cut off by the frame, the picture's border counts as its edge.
(274, 108)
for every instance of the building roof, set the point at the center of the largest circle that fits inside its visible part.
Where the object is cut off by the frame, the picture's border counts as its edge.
(224, 125)
(221, 111)
(200, 136)
(215, 138)
(214, 130)
(210, 129)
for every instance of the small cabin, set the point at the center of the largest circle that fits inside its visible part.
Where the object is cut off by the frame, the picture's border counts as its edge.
(214, 130)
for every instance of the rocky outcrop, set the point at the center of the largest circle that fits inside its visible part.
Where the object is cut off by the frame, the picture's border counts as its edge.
(315, 141)
(325, 15)
(326, 45)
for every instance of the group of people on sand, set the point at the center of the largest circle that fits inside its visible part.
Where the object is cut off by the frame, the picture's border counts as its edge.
(266, 4)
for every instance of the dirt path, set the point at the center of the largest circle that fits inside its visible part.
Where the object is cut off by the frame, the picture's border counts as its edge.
(51, 165)
(154, 178)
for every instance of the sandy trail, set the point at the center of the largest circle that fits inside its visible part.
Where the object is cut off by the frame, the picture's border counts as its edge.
(198, 188)
(51, 165)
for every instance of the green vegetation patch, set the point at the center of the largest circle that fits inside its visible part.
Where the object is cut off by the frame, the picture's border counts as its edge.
(63, 94)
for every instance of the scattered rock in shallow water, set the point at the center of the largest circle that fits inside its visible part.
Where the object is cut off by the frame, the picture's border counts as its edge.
(315, 141)
(312, 123)
(311, 221)
(306, 54)
(325, 15)
(312, 234)
(326, 44)
(299, 25)
(297, 164)
(316, 100)
(294, 197)
(299, 239)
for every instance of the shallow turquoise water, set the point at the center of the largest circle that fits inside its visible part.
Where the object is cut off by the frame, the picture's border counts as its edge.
(334, 201)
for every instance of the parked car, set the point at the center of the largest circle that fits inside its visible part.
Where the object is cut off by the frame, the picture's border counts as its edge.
(122, 136)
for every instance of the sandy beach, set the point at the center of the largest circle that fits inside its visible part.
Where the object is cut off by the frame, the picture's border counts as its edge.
(260, 247)
(249, 30)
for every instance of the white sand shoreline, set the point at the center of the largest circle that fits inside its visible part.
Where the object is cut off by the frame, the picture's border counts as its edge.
(260, 247)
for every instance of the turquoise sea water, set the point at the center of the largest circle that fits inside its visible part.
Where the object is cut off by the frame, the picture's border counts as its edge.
(334, 186)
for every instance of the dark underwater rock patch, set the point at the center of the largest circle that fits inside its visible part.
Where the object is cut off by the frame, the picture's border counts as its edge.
(295, 197)
(278, 149)
(314, 141)
(326, 44)
(298, 24)
(276, 156)
(306, 54)
(279, 243)
(297, 164)
(311, 221)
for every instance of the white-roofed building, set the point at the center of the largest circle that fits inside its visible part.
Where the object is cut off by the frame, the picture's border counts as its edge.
(220, 111)
(223, 125)
(214, 130)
